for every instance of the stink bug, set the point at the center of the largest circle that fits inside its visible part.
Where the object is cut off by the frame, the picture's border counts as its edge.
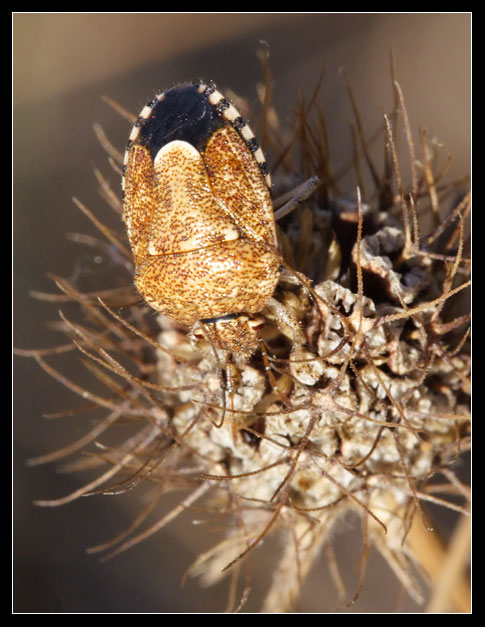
(199, 216)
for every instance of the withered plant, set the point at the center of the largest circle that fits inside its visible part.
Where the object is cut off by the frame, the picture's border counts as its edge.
(357, 400)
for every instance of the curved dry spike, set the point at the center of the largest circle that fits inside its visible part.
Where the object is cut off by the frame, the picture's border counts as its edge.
(92, 485)
(95, 432)
(176, 511)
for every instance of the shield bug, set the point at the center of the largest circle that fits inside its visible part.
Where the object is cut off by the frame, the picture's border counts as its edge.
(199, 216)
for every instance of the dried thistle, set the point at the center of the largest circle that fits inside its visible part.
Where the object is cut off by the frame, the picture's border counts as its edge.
(356, 400)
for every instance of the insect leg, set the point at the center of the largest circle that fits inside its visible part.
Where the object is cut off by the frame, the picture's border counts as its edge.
(297, 195)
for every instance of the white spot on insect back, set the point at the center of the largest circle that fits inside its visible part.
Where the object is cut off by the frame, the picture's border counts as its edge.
(135, 131)
(152, 248)
(246, 133)
(146, 112)
(184, 149)
(231, 113)
(259, 156)
(215, 97)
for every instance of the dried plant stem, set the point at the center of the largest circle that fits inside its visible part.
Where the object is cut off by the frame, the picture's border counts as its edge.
(287, 580)
(445, 566)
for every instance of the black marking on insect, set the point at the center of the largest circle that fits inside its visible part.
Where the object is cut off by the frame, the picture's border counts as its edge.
(179, 113)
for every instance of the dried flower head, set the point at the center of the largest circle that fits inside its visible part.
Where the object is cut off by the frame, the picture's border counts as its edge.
(356, 398)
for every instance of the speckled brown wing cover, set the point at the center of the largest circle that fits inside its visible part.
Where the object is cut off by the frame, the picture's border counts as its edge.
(201, 228)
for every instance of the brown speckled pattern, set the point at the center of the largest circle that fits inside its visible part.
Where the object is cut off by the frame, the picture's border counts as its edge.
(236, 179)
(229, 278)
(202, 232)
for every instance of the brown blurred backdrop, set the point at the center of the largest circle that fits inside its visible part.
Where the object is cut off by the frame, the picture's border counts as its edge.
(62, 65)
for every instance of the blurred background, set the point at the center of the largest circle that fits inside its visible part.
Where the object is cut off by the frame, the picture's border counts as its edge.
(62, 66)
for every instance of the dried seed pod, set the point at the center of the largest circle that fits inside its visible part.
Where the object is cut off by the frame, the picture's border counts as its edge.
(377, 254)
(358, 397)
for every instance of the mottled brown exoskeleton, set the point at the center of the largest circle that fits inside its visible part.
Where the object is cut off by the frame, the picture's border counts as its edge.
(199, 216)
